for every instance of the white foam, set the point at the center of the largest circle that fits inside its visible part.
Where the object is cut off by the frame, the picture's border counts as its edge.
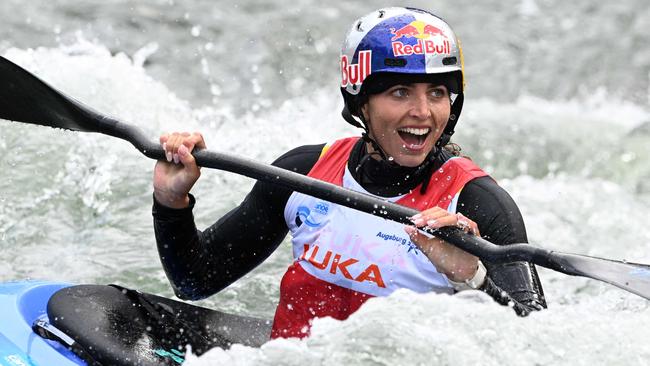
(411, 329)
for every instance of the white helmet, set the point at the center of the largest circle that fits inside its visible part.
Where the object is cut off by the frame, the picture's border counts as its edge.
(401, 44)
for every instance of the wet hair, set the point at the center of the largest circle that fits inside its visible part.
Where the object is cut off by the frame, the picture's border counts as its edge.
(455, 150)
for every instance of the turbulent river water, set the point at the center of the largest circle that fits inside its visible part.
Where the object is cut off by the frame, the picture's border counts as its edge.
(556, 110)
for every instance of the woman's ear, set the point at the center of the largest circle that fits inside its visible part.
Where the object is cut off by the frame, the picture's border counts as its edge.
(364, 111)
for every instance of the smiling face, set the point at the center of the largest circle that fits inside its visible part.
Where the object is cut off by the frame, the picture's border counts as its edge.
(406, 120)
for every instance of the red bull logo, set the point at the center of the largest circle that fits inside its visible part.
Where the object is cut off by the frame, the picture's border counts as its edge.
(355, 74)
(431, 40)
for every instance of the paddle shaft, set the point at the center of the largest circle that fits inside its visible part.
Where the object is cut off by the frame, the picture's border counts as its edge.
(335, 194)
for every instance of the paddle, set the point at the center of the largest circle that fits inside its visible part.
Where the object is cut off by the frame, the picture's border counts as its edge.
(25, 98)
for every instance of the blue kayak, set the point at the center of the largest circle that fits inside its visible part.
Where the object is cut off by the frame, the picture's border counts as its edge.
(50, 323)
(22, 304)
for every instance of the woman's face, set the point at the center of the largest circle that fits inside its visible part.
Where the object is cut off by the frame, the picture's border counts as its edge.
(407, 120)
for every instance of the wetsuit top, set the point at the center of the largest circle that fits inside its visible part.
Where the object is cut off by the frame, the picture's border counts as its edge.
(201, 263)
(342, 257)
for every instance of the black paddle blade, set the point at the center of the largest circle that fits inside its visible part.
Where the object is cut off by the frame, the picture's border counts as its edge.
(26, 98)
(632, 277)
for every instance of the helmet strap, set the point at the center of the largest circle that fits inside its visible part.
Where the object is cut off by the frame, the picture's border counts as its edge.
(349, 118)
(375, 145)
(377, 150)
(456, 107)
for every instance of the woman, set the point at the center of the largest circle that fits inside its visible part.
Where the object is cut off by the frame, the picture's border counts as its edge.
(402, 83)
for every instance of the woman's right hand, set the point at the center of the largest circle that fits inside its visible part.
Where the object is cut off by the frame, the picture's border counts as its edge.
(173, 178)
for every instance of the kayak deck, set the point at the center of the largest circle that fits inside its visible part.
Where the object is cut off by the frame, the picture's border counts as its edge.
(111, 325)
(21, 304)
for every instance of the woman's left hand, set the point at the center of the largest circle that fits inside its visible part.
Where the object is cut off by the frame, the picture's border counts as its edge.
(455, 263)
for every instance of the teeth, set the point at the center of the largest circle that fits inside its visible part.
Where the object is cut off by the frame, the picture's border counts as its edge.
(415, 131)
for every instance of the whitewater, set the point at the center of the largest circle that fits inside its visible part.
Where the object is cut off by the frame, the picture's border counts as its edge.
(556, 111)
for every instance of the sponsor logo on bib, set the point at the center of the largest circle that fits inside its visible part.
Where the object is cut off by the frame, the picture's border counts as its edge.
(314, 216)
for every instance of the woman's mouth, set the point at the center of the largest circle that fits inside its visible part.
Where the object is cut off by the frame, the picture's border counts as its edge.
(414, 138)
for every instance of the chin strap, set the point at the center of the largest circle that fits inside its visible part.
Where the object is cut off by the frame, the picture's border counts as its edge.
(375, 145)
(365, 135)
(377, 150)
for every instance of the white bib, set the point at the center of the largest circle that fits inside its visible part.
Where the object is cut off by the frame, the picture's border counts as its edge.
(356, 250)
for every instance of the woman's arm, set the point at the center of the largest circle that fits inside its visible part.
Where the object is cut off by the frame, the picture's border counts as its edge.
(500, 222)
(199, 264)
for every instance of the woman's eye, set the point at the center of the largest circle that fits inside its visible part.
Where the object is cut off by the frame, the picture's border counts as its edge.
(438, 92)
(400, 92)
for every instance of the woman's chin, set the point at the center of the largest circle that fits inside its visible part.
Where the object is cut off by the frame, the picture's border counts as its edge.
(409, 160)
(412, 156)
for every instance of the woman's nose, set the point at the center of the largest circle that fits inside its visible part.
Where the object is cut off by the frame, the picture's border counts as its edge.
(420, 107)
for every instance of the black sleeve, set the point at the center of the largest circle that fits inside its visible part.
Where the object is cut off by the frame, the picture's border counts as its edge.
(500, 222)
(199, 264)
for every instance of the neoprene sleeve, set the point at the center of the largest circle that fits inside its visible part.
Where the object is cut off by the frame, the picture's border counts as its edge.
(199, 264)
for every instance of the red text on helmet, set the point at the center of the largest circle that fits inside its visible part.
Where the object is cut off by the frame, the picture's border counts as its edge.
(422, 47)
(355, 74)
(431, 40)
